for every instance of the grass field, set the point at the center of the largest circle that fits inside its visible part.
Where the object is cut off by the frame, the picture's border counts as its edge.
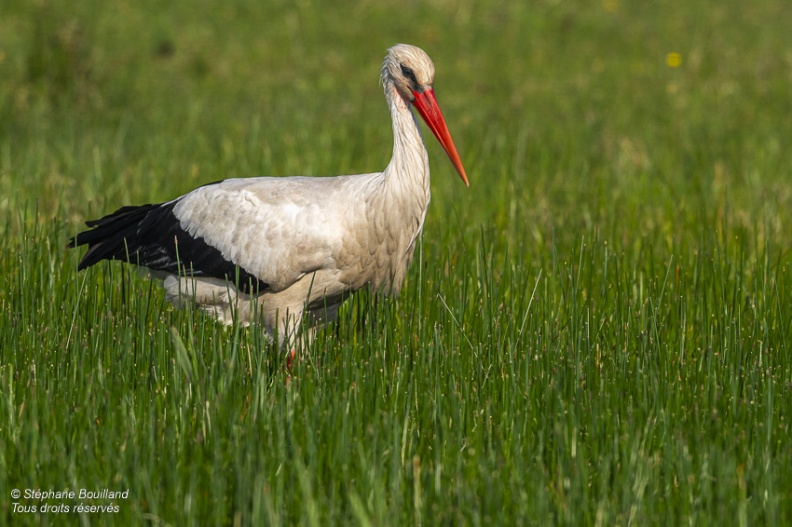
(597, 332)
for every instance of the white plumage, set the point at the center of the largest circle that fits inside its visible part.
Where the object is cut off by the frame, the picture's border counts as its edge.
(277, 251)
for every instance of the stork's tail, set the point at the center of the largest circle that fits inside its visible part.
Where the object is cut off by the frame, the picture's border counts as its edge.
(123, 235)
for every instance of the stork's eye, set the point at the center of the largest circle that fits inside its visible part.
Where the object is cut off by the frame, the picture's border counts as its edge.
(407, 72)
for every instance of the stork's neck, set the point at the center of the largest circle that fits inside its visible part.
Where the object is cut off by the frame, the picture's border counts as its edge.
(408, 170)
(397, 207)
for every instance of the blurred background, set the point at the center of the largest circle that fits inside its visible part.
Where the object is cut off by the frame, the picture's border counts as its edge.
(578, 115)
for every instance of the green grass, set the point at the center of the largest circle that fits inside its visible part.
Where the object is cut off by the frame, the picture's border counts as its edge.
(598, 332)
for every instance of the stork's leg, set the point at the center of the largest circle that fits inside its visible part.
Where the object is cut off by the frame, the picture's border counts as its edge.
(304, 330)
(290, 358)
(286, 324)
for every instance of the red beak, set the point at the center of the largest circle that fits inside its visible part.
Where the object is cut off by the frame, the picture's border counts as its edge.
(427, 106)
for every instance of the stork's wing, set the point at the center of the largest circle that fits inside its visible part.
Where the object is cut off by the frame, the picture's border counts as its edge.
(260, 232)
(277, 229)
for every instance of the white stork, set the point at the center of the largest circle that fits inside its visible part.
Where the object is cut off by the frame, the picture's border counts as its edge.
(277, 250)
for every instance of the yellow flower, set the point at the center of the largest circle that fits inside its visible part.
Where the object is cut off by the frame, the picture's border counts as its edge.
(673, 59)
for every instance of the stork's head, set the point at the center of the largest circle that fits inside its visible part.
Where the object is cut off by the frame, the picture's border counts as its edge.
(410, 71)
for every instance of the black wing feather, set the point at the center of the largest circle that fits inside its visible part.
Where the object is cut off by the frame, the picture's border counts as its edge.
(151, 236)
